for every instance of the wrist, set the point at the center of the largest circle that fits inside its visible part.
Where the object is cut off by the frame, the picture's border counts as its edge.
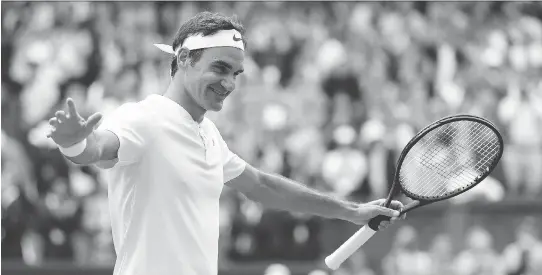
(74, 150)
(348, 211)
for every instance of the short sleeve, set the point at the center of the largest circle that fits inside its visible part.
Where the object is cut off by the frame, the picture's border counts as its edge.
(232, 164)
(130, 124)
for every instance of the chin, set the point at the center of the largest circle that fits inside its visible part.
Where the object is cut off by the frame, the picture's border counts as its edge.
(215, 107)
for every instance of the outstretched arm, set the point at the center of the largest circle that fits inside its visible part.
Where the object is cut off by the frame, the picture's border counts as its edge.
(70, 130)
(102, 145)
(277, 192)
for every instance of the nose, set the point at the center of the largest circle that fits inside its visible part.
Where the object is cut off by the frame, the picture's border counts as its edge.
(228, 83)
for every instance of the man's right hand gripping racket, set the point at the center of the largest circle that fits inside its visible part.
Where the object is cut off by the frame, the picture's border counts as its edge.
(443, 160)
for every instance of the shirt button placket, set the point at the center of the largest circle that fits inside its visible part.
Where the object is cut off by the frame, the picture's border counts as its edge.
(203, 139)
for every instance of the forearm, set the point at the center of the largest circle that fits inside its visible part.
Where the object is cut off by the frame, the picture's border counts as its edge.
(96, 149)
(90, 155)
(286, 194)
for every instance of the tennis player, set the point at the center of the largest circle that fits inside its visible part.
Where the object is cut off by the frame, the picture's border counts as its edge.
(167, 163)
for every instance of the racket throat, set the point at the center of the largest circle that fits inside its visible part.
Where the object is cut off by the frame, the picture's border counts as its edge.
(394, 192)
(413, 205)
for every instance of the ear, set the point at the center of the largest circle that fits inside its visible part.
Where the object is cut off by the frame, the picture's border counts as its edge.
(182, 57)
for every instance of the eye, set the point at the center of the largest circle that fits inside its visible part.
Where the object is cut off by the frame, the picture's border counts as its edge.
(221, 69)
(236, 74)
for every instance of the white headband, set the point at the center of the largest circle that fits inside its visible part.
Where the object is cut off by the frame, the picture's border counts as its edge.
(223, 38)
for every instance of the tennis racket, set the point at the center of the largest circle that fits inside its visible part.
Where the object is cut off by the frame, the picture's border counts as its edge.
(445, 159)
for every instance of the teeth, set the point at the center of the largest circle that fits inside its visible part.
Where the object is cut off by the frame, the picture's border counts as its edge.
(216, 92)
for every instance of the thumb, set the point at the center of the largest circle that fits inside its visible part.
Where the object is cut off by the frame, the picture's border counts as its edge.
(93, 120)
(380, 210)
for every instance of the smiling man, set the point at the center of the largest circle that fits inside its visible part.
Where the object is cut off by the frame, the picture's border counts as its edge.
(167, 163)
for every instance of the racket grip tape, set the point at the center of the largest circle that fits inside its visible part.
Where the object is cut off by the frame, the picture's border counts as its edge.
(375, 222)
(348, 248)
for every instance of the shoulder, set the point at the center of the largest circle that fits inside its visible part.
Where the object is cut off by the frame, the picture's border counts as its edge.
(129, 110)
(129, 115)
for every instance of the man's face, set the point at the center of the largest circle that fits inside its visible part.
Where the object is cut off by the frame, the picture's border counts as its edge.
(213, 77)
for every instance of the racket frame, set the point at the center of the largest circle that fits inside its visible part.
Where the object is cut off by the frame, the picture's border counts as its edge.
(420, 201)
(334, 260)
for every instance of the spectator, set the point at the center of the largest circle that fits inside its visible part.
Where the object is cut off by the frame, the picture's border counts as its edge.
(405, 257)
(489, 190)
(441, 253)
(359, 77)
(479, 256)
(60, 216)
(18, 198)
(524, 256)
(277, 269)
(345, 167)
(93, 241)
(355, 265)
(520, 110)
(373, 140)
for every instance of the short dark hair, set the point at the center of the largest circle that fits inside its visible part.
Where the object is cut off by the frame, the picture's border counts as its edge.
(206, 23)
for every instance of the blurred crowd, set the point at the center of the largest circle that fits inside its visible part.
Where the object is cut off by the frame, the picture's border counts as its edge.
(330, 95)
(479, 257)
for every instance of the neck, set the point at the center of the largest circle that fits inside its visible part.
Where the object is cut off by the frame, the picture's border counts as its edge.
(178, 93)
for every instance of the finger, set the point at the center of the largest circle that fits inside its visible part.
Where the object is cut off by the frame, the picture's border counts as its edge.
(50, 132)
(400, 217)
(379, 202)
(93, 120)
(397, 205)
(383, 225)
(387, 211)
(53, 122)
(71, 107)
(61, 116)
(403, 214)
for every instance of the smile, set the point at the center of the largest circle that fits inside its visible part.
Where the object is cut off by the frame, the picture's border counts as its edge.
(218, 93)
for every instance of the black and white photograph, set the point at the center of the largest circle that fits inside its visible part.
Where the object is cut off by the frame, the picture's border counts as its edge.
(271, 137)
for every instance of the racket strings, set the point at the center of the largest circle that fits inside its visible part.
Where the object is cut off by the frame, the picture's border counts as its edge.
(456, 179)
(449, 158)
(454, 174)
(432, 154)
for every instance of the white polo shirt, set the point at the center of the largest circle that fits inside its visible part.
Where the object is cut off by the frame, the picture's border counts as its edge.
(164, 190)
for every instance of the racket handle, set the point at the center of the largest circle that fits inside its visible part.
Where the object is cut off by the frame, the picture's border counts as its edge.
(348, 248)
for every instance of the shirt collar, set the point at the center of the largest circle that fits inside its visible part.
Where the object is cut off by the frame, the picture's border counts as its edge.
(174, 106)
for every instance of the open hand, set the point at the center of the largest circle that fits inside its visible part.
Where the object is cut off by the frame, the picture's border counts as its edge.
(69, 129)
